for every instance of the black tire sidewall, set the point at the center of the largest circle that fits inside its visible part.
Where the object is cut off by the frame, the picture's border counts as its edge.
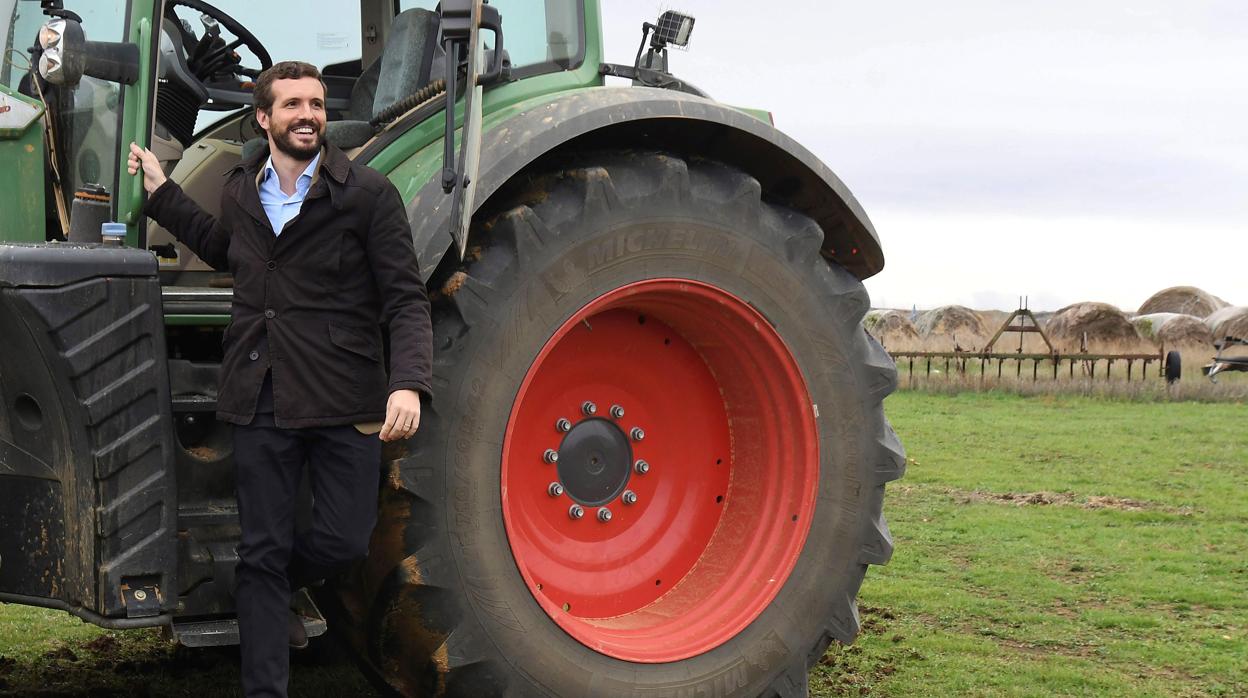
(814, 306)
(1174, 366)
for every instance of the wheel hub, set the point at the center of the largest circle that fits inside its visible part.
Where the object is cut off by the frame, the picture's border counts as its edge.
(594, 462)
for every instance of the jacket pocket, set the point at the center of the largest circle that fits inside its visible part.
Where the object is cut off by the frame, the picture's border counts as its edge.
(354, 341)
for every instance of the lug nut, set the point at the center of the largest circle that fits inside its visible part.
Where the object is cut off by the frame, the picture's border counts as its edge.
(551, 456)
(554, 489)
(589, 408)
(629, 497)
(604, 514)
(637, 433)
(617, 411)
(575, 512)
(641, 467)
(563, 425)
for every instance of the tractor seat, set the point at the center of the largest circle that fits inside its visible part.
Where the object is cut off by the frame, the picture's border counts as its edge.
(405, 66)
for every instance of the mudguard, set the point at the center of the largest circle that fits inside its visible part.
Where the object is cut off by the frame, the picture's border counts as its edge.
(649, 118)
(87, 518)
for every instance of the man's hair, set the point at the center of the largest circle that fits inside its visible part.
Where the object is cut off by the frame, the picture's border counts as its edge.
(262, 96)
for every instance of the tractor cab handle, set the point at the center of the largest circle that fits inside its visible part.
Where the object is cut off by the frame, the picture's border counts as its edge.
(500, 66)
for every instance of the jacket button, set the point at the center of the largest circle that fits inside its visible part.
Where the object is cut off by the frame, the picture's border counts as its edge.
(270, 314)
(271, 265)
(255, 355)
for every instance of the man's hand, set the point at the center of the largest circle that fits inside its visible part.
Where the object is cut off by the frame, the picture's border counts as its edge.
(402, 415)
(142, 158)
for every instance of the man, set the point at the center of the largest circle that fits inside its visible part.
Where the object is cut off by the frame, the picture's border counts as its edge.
(322, 256)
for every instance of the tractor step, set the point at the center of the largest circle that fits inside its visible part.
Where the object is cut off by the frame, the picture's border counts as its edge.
(218, 632)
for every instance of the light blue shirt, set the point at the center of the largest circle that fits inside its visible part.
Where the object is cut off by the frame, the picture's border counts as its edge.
(277, 206)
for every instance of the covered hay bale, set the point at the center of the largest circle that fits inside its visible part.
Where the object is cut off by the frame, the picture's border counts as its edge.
(1108, 330)
(1149, 325)
(1183, 331)
(1231, 321)
(893, 329)
(952, 326)
(1185, 300)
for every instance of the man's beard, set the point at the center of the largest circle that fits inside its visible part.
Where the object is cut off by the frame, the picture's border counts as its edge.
(285, 141)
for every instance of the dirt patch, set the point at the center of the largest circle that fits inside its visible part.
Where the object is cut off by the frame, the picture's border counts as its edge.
(455, 282)
(849, 670)
(1048, 649)
(1064, 611)
(206, 454)
(63, 653)
(103, 645)
(1022, 499)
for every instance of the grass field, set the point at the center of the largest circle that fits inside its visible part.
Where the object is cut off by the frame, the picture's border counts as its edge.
(1046, 545)
(1058, 546)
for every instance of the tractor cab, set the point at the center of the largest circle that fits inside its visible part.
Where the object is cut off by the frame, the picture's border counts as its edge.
(179, 75)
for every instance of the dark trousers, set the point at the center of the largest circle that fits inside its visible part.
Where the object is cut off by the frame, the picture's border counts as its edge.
(343, 468)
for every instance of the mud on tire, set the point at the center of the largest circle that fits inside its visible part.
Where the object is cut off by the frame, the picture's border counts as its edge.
(441, 606)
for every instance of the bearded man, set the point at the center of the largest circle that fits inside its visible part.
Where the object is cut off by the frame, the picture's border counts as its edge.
(322, 259)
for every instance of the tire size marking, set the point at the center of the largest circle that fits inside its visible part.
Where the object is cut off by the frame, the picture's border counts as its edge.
(635, 241)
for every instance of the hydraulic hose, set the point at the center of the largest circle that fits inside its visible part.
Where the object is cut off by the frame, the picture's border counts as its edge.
(424, 94)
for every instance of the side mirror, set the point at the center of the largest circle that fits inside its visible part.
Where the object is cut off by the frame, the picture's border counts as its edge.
(66, 56)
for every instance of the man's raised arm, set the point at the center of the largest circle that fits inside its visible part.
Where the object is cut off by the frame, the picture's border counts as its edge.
(169, 206)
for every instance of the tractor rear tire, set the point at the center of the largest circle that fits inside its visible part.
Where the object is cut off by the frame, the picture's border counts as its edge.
(699, 318)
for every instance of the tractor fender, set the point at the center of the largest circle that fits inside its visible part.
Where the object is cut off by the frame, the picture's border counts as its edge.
(655, 119)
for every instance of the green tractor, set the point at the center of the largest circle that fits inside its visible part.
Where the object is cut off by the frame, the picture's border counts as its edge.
(656, 456)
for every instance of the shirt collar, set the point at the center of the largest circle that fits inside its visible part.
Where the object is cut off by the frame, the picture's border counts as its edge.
(309, 171)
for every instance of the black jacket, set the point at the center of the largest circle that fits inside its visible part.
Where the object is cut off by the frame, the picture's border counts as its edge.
(311, 304)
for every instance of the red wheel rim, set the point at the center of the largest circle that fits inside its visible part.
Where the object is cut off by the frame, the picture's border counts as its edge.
(720, 517)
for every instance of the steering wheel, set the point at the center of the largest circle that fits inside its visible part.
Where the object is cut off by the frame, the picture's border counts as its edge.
(218, 57)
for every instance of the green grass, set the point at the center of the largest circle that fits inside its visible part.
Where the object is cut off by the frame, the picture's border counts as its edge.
(1046, 545)
(1058, 546)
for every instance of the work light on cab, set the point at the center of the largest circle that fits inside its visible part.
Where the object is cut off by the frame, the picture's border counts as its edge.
(66, 56)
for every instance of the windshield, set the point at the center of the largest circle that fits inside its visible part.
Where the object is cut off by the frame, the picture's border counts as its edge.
(327, 32)
(87, 116)
(537, 41)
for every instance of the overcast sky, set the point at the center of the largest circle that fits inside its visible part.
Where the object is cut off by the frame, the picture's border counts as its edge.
(1062, 150)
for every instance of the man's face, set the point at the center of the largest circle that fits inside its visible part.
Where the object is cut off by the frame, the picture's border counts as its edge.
(296, 125)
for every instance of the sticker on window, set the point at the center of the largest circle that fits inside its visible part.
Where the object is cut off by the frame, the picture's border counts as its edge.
(330, 41)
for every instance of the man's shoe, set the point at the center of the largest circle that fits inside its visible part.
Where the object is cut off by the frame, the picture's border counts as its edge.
(298, 636)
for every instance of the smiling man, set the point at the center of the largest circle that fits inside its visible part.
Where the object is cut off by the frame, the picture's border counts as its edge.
(322, 259)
